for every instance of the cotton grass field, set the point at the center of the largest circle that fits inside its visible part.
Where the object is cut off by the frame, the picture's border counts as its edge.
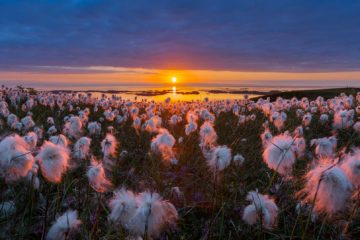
(78, 167)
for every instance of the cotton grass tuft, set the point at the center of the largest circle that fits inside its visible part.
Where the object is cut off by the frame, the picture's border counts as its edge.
(64, 226)
(262, 209)
(53, 160)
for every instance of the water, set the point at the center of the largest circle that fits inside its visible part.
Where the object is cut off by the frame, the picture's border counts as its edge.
(177, 92)
(184, 93)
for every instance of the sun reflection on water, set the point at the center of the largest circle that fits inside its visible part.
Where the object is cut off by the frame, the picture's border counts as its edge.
(176, 93)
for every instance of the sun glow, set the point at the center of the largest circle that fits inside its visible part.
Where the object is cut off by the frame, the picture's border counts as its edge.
(173, 79)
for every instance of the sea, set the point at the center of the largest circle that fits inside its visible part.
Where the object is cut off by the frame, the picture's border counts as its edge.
(185, 92)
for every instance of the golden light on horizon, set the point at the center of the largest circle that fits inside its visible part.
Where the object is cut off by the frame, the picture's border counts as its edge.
(183, 77)
(173, 79)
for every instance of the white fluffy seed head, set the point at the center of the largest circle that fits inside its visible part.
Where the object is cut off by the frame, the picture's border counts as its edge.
(153, 212)
(137, 123)
(134, 112)
(11, 120)
(97, 177)
(73, 127)
(266, 137)
(27, 122)
(94, 128)
(325, 147)
(53, 160)
(220, 158)
(343, 119)
(52, 130)
(239, 159)
(351, 167)
(50, 121)
(153, 124)
(307, 118)
(330, 188)
(279, 154)
(123, 206)
(262, 206)
(208, 135)
(16, 159)
(163, 143)
(60, 140)
(324, 118)
(31, 139)
(108, 146)
(109, 115)
(174, 119)
(191, 116)
(279, 119)
(82, 148)
(64, 226)
(190, 127)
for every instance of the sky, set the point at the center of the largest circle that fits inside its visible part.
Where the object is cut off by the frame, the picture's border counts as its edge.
(139, 41)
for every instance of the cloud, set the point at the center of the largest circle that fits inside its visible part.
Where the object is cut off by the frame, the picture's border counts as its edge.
(92, 69)
(220, 35)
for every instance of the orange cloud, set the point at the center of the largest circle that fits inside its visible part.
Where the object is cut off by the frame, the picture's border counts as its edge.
(106, 75)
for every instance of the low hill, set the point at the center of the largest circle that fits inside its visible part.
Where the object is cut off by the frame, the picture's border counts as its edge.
(311, 94)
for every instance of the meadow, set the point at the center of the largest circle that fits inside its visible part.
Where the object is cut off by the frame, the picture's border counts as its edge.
(78, 167)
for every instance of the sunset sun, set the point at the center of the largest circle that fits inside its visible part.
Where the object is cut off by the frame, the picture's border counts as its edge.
(173, 79)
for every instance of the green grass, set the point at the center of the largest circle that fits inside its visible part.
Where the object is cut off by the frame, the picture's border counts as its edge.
(209, 210)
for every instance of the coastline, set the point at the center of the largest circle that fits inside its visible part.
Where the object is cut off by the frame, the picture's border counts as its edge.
(273, 94)
(254, 94)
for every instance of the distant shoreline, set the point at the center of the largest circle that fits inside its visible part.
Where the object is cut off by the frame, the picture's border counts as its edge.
(272, 94)
(310, 94)
(137, 93)
(163, 92)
